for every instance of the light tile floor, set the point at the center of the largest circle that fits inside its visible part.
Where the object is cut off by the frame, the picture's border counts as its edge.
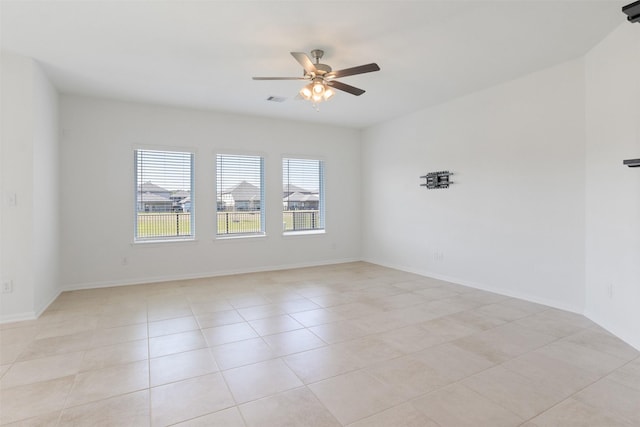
(351, 344)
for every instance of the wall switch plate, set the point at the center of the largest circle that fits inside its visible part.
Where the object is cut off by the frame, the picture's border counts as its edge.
(7, 286)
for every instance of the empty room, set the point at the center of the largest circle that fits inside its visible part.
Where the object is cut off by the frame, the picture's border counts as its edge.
(320, 213)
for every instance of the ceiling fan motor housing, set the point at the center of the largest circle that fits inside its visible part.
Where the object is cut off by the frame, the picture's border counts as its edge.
(317, 54)
(323, 68)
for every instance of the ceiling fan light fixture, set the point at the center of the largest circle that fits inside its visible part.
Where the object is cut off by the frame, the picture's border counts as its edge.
(317, 91)
(306, 92)
(328, 94)
(318, 87)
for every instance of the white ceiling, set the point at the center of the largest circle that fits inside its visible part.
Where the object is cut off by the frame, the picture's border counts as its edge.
(203, 54)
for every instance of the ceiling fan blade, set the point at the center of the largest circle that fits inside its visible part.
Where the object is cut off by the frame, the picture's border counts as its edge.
(361, 69)
(278, 78)
(306, 63)
(346, 88)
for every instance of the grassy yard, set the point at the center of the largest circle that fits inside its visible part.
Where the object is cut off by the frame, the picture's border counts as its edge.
(163, 224)
(172, 224)
(300, 220)
(238, 222)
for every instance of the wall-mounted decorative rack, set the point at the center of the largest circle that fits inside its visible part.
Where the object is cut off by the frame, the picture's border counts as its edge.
(436, 180)
(632, 11)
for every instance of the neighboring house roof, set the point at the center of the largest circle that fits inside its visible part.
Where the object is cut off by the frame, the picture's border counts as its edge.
(149, 187)
(155, 198)
(297, 197)
(244, 191)
(292, 188)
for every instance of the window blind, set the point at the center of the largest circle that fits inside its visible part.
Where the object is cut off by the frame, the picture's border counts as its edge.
(239, 194)
(302, 194)
(164, 200)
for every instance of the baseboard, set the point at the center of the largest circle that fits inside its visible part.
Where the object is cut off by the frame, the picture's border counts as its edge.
(17, 317)
(204, 275)
(43, 309)
(631, 337)
(29, 315)
(482, 286)
(33, 315)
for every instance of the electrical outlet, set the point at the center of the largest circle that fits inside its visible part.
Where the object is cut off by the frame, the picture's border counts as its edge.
(610, 290)
(7, 286)
(125, 261)
(11, 199)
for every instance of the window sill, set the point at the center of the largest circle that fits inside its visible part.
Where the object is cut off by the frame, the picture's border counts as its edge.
(240, 236)
(304, 233)
(163, 242)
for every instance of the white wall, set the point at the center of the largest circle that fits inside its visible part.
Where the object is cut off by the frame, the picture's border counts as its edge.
(513, 222)
(46, 228)
(30, 231)
(613, 190)
(98, 138)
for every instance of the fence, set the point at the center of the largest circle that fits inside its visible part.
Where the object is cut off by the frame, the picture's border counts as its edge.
(300, 220)
(152, 225)
(239, 222)
(178, 224)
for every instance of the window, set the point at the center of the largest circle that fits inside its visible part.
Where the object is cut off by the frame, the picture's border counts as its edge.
(303, 195)
(240, 195)
(164, 196)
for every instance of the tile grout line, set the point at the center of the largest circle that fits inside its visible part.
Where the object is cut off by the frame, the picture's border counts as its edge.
(150, 401)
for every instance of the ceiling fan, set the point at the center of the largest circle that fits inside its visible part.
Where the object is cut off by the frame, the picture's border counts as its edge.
(322, 77)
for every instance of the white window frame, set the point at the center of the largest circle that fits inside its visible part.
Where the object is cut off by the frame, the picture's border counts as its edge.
(321, 220)
(262, 208)
(136, 200)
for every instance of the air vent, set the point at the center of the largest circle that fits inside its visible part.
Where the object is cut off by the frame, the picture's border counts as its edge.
(276, 99)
